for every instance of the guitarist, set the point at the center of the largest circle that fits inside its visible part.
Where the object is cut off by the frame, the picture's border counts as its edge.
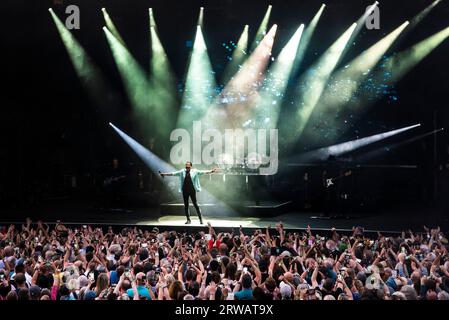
(330, 191)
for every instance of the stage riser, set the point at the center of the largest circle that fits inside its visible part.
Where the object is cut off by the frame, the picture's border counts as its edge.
(169, 209)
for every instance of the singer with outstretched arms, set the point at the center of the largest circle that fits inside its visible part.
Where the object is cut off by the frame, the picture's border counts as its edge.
(189, 185)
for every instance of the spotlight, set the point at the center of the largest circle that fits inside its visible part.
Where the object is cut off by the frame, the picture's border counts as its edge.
(89, 74)
(200, 18)
(162, 82)
(152, 20)
(199, 84)
(277, 80)
(261, 32)
(315, 81)
(348, 79)
(381, 150)
(404, 61)
(305, 39)
(134, 78)
(349, 146)
(238, 56)
(111, 26)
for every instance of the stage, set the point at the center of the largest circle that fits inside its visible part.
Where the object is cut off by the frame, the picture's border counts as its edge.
(392, 220)
(244, 208)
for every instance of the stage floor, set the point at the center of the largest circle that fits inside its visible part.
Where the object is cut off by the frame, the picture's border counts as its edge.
(393, 220)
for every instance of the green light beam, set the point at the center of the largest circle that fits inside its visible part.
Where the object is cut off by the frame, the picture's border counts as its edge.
(261, 32)
(133, 77)
(199, 84)
(236, 102)
(305, 39)
(403, 62)
(314, 81)
(89, 74)
(152, 20)
(238, 56)
(111, 26)
(201, 17)
(423, 14)
(396, 67)
(346, 81)
(163, 84)
(362, 20)
(360, 25)
(270, 99)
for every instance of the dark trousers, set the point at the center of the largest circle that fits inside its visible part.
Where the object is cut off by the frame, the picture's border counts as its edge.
(192, 194)
(330, 201)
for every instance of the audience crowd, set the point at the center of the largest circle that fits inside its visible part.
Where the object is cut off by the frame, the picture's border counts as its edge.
(87, 263)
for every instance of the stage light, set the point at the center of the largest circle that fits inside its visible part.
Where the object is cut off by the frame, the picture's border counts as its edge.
(416, 20)
(134, 79)
(313, 82)
(399, 64)
(151, 160)
(238, 56)
(156, 164)
(305, 39)
(361, 23)
(362, 19)
(349, 146)
(235, 105)
(390, 71)
(111, 26)
(78, 56)
(253, 69)
(420, 16)
(201, 17)
(236, 102)
(89, 74)
(270, 99)
(346, 81)
(381, 151)
(288, 53)
(161, 71)
(152, 20)
(261, 32)
(199, 84)
(162, 82)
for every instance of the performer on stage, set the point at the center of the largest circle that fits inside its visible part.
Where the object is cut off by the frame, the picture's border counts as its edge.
(330, 191)
(189, 185)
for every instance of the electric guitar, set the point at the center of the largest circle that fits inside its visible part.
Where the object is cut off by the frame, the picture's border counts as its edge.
(330, 181)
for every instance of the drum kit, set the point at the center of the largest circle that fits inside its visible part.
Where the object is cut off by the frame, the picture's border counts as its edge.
(248, 165)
